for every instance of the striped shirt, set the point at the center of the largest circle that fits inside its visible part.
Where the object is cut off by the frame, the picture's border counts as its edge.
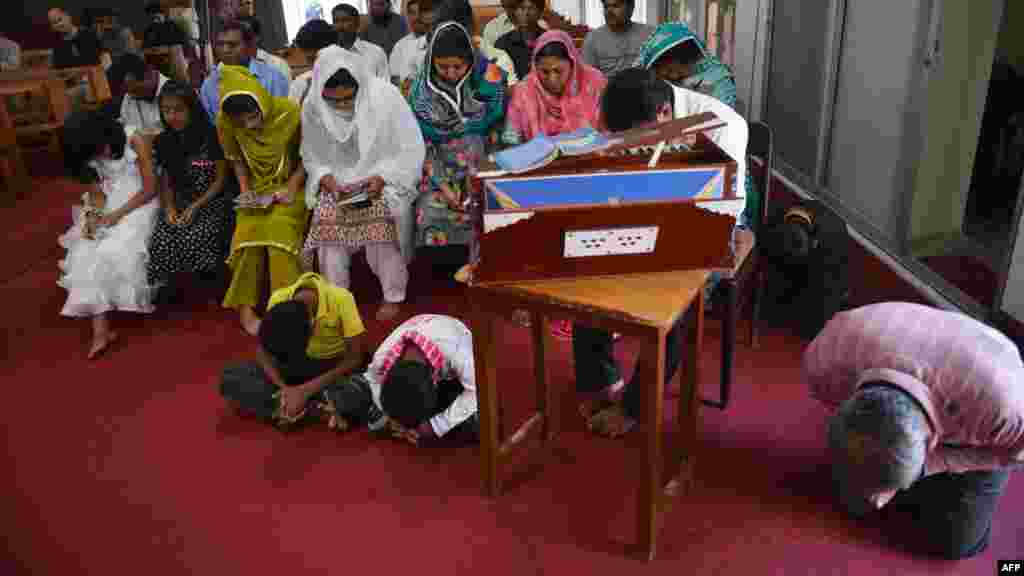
(967, 377)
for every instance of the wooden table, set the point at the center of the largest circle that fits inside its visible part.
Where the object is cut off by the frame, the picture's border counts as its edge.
(642, 306)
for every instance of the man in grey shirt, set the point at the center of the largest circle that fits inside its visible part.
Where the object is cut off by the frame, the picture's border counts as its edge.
(616, 45)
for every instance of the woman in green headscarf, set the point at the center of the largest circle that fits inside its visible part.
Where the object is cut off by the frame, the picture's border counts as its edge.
(260, 136)
(679, 57)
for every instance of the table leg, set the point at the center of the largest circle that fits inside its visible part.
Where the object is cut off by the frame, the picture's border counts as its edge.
(689, 383)
(653, 416)
(487, 398)
(547, 399)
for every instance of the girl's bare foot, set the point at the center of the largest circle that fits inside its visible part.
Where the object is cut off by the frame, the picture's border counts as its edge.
(387, 311)
(611, 422)
(601, 401)
(101, 342)
(522, 317)
(250, 321)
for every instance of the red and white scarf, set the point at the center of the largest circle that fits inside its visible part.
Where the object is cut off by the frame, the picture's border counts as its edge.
(433, 354)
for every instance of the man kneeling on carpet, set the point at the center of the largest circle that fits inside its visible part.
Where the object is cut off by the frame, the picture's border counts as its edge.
(420, 385)
(929, 419)
(311, 338)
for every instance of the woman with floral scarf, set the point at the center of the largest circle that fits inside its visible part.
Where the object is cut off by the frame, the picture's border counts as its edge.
(458, 99)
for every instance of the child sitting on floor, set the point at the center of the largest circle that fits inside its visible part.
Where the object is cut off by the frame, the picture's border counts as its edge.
(311, 338)
(105, 266)
(420, 385)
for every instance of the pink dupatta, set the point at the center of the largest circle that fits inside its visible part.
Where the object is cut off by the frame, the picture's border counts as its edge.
(533, 110)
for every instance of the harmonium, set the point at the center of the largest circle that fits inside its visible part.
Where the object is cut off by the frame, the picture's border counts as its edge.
(639, 204)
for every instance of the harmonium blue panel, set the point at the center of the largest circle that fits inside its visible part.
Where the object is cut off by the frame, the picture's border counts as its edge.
(601, 214)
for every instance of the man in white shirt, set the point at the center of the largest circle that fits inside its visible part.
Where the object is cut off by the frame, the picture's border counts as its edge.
(503, 23)
(420, 385)
(346, 22)
(408, 54)
(261, 54)
(142, 84)
(313, 37)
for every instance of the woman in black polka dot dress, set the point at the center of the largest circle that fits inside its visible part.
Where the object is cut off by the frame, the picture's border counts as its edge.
(193, 232)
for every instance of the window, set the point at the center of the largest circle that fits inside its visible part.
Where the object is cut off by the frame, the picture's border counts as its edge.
(297, 12)
(568, 8)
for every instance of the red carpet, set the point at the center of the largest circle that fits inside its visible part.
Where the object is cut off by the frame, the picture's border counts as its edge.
(132, 465)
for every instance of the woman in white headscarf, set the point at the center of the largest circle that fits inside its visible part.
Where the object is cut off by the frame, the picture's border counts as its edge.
(363, 152)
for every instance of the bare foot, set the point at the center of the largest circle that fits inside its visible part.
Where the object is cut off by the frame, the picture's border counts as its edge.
(592, 406)
(611, 422)
(387, 311)
(101, 343)
(522, 317)
(601, 400)
(250, 321)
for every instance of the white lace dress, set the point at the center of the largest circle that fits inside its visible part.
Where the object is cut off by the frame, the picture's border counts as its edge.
(109, 272)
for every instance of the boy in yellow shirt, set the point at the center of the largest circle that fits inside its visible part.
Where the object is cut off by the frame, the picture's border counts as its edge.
(311, 339)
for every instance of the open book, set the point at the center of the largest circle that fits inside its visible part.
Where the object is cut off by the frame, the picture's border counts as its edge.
(543, 149)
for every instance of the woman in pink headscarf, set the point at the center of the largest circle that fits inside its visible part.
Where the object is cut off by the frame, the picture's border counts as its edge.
(561, 93)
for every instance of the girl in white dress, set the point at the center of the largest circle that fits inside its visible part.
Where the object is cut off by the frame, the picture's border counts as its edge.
(107, 245)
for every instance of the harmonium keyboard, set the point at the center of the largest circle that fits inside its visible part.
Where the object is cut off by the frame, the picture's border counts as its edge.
(642, 204)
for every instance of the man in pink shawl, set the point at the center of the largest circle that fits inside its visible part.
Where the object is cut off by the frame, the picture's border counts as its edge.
(561, 93)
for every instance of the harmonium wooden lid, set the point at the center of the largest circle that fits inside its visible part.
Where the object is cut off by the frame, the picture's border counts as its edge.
(641, 204)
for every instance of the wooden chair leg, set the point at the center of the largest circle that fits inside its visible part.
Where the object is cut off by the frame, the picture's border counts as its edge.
(755, 308)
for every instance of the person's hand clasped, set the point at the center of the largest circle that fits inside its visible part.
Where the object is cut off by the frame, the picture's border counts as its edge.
(109, 220)
(328, 184)
(451, 198)
(292, 401)
(185, 218)
(375, 187)
(283, 196)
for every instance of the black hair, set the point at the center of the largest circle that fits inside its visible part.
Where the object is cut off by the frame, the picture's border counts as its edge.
(553, 50)
(90, 15)
(629, 4)
(153, 8)
(240, 104)
(173, 148)
(458, 11)
(253, 23)
(685, 52)
(86, 134)
(341, 79)
(633, 98)
(248, 36)
(452, 43)
(408, 394)
(348, 9)
(316, 35)
(540, 4)
(126, 64)
(285, 331)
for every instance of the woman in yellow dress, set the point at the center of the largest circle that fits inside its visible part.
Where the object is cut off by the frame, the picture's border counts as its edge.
(260, 136)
